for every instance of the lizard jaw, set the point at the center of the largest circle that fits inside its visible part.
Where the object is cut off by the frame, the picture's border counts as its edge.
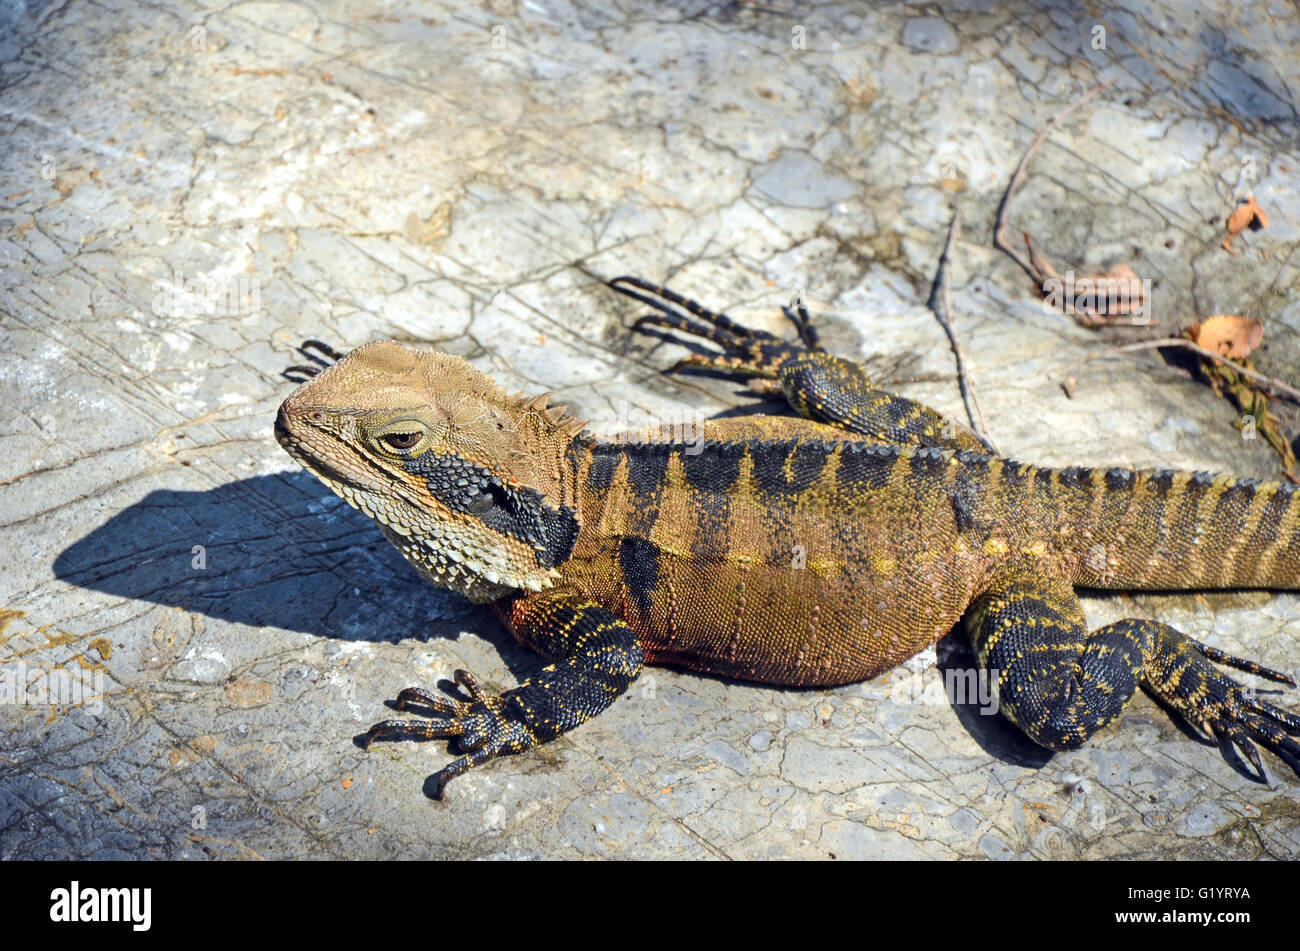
(448, 553)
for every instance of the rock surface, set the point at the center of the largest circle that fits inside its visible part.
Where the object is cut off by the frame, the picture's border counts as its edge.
(191, 189)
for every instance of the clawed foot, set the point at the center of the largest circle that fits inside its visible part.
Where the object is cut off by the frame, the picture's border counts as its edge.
(321, 355)
(1230, 712)
(482, 726)
(1237, 717)
(746, 352)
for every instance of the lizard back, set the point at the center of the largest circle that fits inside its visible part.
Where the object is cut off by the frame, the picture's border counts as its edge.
(783, 561)
(822, 561)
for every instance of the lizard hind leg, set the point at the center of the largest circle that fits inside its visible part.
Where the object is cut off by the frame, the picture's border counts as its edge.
(745, 352)
(1061, 683)
(816, 384)
(1179, 674)
(837, 391)
(1056, 681)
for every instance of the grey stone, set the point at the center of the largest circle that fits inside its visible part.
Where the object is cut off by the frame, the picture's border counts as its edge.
(190, 192)
(929, 35)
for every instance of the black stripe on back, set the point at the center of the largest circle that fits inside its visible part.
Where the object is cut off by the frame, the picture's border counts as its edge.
(714, 468)
(646, 466)
(604, 463)
(806, 462)
(639, 560)
(866, 466)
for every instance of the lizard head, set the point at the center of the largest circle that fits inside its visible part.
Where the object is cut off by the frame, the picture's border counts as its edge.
(465, 479)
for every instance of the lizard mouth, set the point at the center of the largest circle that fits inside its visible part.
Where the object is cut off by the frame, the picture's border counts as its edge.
(362, 498)
(301, 451)
(348, 482)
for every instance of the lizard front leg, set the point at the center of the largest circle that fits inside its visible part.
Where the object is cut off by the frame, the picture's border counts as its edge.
(597, 656)
(816, 384)
(1061, 683)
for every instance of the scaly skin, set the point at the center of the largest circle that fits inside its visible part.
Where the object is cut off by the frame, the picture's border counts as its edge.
(813, 550)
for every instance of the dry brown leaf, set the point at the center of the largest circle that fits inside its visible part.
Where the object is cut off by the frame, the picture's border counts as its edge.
(1232, 336)
(1247, 215)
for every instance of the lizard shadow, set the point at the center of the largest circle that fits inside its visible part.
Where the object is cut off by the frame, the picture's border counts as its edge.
(273, 551)
(968, 692)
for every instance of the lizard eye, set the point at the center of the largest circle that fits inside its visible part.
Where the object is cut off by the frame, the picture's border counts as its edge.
(401, 440)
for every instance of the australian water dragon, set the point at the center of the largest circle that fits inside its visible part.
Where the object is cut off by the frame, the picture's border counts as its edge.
(605, 556)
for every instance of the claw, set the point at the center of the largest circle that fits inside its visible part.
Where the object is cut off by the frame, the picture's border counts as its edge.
(380, 730)
(1221, 707)
(328, 352)
(425, 699)
(298, 373)
(746, 351)
(322, 359)
(483, 726)
(1240, 663)
(717, 319)
(457, 768)
(1234, 735)
(728, 364)
(467, 680)
(1273, 736)
(1246, 721)
(687, 326)
(428, 729)
(802, 321)
(1288, 720)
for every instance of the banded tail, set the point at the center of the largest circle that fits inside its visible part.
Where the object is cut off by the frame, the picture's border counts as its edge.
(1166, 530)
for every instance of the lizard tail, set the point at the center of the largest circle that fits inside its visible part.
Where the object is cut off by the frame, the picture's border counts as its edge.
(1165, 530)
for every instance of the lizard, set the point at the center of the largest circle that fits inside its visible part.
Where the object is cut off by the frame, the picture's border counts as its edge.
(606, 556)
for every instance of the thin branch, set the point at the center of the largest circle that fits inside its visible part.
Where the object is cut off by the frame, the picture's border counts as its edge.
(941, 303)
(1000, 227)
(1268, 382)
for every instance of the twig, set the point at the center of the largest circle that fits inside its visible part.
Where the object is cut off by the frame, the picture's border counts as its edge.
(1268, 382)
(1000, 227)
(941, 303)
